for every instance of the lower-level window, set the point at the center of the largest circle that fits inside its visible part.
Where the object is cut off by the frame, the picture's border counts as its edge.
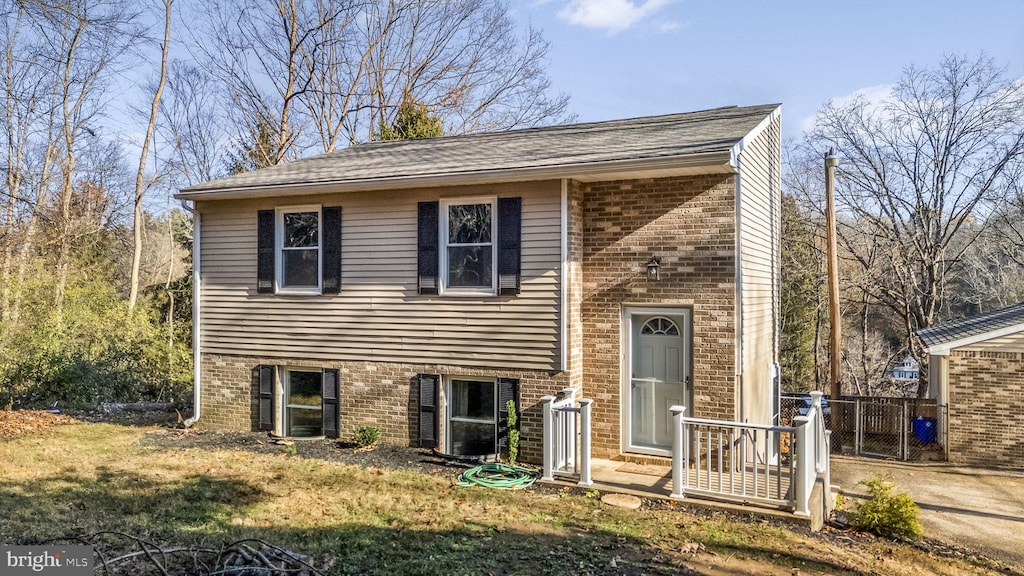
(303, 404)
(472, 419)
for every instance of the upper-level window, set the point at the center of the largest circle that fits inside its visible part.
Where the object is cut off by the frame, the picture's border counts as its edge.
(468, 248)
(660, 326)
(298, 245)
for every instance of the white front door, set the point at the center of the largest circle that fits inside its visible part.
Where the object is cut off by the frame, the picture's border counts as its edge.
(658, 356)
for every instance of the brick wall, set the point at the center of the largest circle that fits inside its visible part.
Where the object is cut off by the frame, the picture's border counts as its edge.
(986, 400)
(378, 394)
(690, 223)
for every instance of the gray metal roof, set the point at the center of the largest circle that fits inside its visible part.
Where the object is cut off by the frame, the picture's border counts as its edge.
(972, 326)
(546, 150)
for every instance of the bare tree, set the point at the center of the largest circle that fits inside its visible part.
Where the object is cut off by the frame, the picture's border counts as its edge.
(918, 168)
(82, 40)
(140, 186)
(317, 74)
(190, 125)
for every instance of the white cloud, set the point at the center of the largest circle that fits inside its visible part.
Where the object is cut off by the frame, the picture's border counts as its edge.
(612, 16)
(874, 96)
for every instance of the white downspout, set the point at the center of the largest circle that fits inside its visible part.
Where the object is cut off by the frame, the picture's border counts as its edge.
(196, 285)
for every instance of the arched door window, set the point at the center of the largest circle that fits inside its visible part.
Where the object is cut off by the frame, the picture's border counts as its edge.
(660, 326)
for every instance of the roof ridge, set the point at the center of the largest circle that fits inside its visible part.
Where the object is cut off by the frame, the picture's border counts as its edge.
(575, 126)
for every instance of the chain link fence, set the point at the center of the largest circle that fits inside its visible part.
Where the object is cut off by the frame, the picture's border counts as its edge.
(898, 428)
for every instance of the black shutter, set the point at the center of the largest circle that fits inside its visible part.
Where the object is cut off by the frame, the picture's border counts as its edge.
(265, 375)
(508, 389)
(329, 400)
(509, 226)
(265, 252)
(427, 247)
(332, 250)
(429, 391)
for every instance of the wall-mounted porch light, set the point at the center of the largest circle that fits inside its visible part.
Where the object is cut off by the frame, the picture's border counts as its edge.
(654, 268)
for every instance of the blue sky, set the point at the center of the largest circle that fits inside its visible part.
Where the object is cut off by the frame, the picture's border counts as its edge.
(626, 58)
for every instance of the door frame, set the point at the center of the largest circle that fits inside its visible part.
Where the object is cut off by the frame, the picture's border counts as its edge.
(626, 365)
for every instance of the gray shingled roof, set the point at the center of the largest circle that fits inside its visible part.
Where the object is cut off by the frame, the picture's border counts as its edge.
(655, 137)
(975, 325)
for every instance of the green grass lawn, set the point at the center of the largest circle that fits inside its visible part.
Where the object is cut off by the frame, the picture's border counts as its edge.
(82, 479)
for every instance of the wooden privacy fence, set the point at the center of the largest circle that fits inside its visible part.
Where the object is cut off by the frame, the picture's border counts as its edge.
(902, 428)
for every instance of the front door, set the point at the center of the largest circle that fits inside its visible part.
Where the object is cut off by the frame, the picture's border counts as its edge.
(659, 375)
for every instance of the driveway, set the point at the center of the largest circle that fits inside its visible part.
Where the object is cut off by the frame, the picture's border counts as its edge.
(982, 510)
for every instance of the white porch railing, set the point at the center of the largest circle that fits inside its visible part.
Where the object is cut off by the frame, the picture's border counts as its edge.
(567, 437)
(772, 465)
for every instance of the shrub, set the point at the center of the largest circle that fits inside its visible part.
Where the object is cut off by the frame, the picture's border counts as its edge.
(513, 432)
(888, 513)
(366, 436)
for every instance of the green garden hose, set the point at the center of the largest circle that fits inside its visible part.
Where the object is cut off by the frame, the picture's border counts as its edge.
(501, 476)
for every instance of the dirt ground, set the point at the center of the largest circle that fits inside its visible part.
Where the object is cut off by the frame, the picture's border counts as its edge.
(978, 509)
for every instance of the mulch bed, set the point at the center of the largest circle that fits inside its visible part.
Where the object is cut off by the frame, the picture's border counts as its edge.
(383, 456)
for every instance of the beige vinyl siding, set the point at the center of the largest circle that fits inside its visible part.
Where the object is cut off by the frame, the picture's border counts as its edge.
(378, 316)
(759, 229)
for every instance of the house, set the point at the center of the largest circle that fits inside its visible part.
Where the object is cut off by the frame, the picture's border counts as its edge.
(976, 374)
(420, 285)
(905, 370)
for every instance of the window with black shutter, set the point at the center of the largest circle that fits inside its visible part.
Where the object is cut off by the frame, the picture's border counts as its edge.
(509, 234)
(265, 379)
(331, 266)
(330, 402)
(470, 246)
(508, 389)
(299, 250)
(426, 241)
(429, 398)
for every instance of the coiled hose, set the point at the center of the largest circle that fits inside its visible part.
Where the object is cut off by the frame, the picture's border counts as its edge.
(501, 476)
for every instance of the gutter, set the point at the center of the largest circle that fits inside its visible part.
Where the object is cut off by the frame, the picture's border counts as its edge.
(716, 162)
(196, 325)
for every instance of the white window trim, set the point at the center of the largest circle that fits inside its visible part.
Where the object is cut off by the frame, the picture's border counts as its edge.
(279, 250)
(442, 280)
(448, 418)
(284, 378)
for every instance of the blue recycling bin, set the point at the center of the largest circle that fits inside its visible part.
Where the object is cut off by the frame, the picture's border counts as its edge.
(924, 429)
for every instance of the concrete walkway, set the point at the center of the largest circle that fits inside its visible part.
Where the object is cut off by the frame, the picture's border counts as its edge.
(982, 510)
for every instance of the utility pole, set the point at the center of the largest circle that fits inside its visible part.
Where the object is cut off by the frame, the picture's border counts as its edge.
(835, 322)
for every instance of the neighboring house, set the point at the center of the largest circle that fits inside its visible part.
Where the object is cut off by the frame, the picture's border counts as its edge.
(905, 370)
(418, 285)
(976, 373)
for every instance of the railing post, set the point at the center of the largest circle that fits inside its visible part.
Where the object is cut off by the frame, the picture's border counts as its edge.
(804, 467)
(585, 479)
(679, 452)
(816, 398)
(828, 463)
(549, 438)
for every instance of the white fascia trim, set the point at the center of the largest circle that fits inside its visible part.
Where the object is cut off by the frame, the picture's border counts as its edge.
(944, 348)
(739, 269)
(564, 313)
(707, 159)
(737, 149)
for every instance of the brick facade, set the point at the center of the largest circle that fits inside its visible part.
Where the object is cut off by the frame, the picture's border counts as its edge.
(377, 394)
(986, 400)
(690, 223)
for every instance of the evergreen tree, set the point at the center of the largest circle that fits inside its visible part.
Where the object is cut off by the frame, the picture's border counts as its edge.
(413, 121)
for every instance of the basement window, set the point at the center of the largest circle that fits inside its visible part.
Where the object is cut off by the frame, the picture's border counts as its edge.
(303, 404)
(472, 417)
